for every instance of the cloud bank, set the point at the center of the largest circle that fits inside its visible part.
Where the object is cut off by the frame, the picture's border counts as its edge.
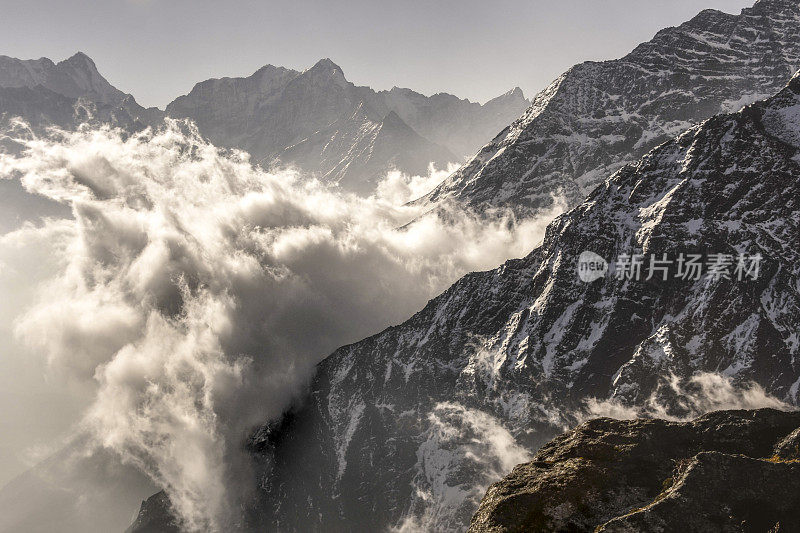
(195, 292)
(681, 400)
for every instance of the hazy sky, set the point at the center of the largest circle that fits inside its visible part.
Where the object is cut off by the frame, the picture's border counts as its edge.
(158, 49)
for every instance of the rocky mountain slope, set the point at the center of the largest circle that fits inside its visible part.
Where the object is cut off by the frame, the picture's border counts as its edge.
(731, 471)
(154, 516)
(408, 425)
(321, 122)
(598, 116)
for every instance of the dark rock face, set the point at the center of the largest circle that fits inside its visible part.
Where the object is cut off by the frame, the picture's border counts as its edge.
(720, 472)
(154, 516)
(597, 117)
(789, 448)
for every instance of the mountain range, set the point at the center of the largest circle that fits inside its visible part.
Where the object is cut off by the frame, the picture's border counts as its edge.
(347, 134)
(314, 120)
(689, 146)
(65, 94)
(599, 116)
(423, 413)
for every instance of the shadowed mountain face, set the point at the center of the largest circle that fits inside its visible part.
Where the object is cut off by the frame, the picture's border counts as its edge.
(78, 489)
(397, 426)
(597, 117)
(350, 135)
(726, 471)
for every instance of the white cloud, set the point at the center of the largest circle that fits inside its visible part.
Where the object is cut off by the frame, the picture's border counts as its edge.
(196, 292)
(399, 188)
(680, 400)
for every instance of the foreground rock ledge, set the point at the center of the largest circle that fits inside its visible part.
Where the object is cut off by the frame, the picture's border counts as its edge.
(725, 471)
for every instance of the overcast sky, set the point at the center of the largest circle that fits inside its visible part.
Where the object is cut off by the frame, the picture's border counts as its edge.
(158, 49)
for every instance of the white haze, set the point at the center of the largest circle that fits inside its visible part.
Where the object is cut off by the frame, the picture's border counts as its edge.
(399, 188)
(702, 393)
(194, 293)
(463, 452)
